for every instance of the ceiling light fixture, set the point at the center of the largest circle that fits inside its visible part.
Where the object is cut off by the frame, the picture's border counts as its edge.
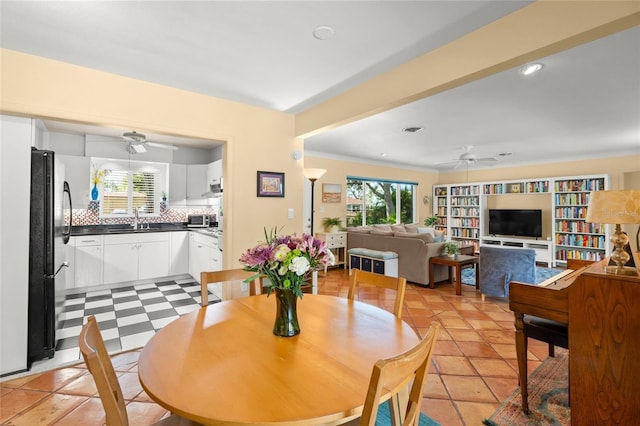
(530, 69)
(413, 129)
(323, 32)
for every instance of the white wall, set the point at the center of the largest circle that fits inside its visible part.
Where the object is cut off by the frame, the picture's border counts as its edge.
(15, 189)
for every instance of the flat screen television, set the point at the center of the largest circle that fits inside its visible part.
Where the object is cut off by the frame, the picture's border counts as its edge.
(518, 222)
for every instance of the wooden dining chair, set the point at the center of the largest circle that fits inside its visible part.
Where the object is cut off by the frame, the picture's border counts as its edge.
(226, 275)
(99, 364)
(394, 283)
(396, 373)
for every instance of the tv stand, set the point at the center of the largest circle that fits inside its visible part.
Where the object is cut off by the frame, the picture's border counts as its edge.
(543, 248)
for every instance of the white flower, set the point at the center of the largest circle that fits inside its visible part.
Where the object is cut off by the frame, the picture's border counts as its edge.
(281, 253)
(299, 265)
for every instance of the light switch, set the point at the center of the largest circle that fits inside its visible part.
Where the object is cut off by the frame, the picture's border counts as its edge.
(290, 213)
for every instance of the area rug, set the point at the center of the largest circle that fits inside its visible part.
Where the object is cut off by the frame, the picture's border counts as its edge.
(383, 418)
(542, 274)
(548, 397)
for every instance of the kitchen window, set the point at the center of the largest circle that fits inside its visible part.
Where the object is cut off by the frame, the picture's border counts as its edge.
(130, 185)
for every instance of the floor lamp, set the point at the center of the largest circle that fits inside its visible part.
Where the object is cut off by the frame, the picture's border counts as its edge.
(313, 175)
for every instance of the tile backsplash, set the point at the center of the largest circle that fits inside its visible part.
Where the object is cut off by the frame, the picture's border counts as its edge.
(91, 215)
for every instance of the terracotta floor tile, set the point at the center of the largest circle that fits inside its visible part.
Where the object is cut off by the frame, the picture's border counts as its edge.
(20, 381)
(493, 367)
(473, 413)
(83, 385)
(144, 413)
(17, 401)
(441, 410)
(90, 412)
(454, 323)
(455, 365)
(498, 336)
(483, 324)
(468, 388)
(130, 385)
(477, 349)
(434, 388)
(466, 336)
(506, 350)
(48, 410)
(54, 379)
(446, 348)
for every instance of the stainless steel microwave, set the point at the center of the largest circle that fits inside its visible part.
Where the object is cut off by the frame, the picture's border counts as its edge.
(198, 221)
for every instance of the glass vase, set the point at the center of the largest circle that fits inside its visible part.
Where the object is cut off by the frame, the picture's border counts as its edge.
(286, 323)
(94, 193)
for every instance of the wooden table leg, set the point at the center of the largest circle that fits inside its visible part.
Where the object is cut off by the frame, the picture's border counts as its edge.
(431, 283)
(477, 268)
(521, 352)
(458, 280)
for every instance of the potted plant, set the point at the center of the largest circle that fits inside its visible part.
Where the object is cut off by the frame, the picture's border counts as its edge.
(431, 220)
(331, 224)
(451, 248)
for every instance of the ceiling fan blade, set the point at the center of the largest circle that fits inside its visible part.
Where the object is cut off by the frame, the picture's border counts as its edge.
(162, 146)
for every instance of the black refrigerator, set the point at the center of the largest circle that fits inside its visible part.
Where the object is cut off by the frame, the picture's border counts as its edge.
(50, 228)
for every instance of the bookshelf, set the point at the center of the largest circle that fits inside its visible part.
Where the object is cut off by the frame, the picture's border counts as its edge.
(464, 215)
(461, 209)
(574, 237)
(440, 207)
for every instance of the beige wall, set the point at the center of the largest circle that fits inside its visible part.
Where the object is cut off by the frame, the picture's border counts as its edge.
(337, 172)
(256, 138)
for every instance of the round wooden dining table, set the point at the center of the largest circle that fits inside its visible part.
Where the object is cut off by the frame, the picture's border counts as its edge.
(222, 364)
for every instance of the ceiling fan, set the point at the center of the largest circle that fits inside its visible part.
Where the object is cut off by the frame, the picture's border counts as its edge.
(467, 157)
(137, 143)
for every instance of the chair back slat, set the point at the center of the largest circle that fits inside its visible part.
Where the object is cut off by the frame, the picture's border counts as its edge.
(398, 284)
(226, 275)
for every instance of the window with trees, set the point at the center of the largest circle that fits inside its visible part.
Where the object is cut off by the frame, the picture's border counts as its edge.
(371, 201)
(130, 185)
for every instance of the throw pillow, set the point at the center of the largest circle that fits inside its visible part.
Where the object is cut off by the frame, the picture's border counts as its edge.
(411, 228)
(360, 229)
(382, 227)
(431, 231)
(438, 239)
(398, 228)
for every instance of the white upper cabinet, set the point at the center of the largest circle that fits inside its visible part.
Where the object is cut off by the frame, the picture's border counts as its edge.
(177, 184)
(196, 184)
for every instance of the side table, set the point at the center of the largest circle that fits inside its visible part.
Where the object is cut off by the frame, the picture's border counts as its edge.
(459, 262)
(337, 243)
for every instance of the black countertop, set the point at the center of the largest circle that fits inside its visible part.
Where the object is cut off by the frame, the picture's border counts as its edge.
(128, 229)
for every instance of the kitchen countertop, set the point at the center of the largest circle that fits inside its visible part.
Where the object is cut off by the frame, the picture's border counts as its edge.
(127, 229)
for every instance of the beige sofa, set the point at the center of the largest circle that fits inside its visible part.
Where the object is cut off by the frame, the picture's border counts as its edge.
(414, 250)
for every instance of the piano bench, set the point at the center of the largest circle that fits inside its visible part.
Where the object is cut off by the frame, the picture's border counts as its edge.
(552, 332)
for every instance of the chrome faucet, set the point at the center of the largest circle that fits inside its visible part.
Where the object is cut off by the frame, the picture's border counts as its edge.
(135, 219)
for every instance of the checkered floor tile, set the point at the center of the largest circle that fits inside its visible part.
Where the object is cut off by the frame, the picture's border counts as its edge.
(127, 316)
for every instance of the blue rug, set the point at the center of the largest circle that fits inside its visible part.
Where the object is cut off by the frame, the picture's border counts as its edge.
(384, 418)
(542, 274)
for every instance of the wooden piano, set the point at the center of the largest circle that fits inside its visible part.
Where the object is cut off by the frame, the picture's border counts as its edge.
(603, 314)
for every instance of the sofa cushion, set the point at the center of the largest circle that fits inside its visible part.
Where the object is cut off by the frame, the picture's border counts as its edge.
(360, 229)
(427, 238)
(375, 254)
(375, 231)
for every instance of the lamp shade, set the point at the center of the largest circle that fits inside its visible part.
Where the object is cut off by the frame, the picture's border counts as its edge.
(314, 174)
(614, 207)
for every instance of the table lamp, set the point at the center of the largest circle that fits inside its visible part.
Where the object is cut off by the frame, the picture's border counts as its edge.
(616, 207)
(313, 175)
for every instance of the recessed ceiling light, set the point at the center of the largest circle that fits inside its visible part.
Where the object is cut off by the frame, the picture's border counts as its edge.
(530, 69)
(323, 32)
(412, 129)
(383, 154)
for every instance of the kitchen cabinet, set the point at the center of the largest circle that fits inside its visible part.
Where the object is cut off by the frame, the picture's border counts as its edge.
(88, 261)
(130, 257)
(214, 172)
(204, 255)
(179, 253)
(77, 171)
(196, 184)
(177, 184)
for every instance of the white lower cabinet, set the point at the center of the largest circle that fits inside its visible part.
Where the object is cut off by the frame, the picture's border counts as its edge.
(179, 256)
(204, 254)
(130, 257)
(88, 261)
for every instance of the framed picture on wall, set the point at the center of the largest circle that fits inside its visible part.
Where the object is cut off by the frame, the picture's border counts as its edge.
(270, 184)
(331, 193)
